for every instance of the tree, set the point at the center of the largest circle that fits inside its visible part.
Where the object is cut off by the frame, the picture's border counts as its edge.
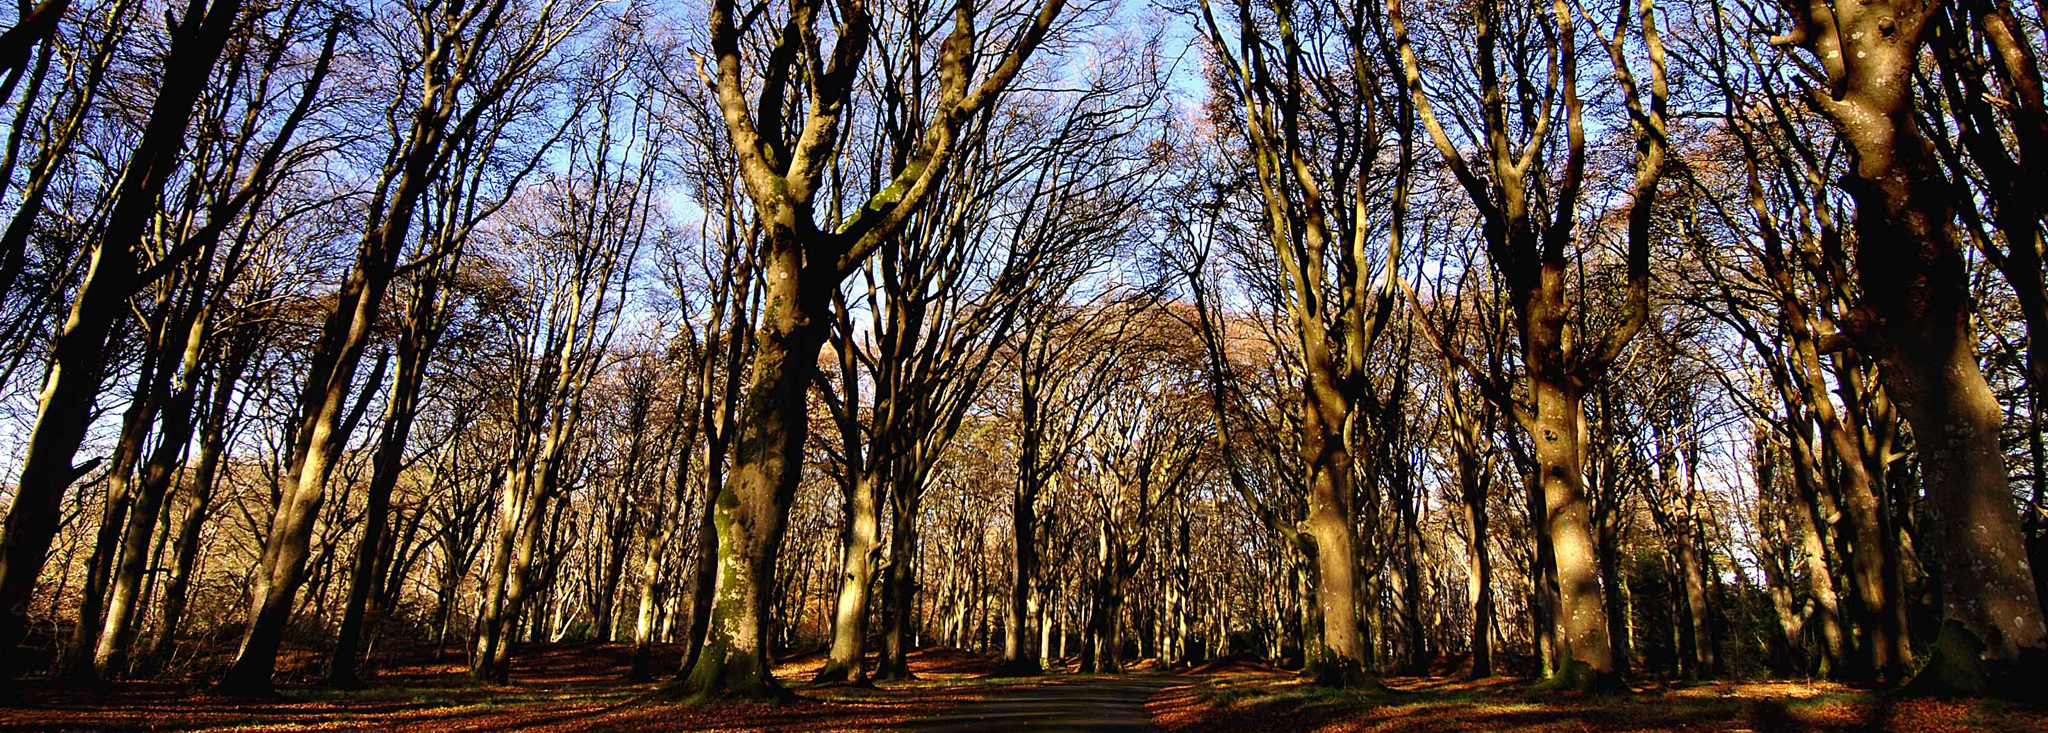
(1335, 309)
(198, 38)
(1529, 251)
(569, 256)
(1915, 318)
(802, 265)
(454, 106)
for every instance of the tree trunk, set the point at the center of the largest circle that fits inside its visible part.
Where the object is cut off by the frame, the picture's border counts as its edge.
(1019, 659)
(198, 501)
(899, 587)
(604, 608)
(1340, 658)
(1616, 605)
(78, 666)
(1916, 319)
(317, 438)
(344, 666)
(78, 357)
(521, 519)
(1478, 558)
(1701, 665)
(642, 666)
(1412, 590)
(847, 660)
(117, 641)
(704, 560)
(1586, 659)
(1820, 578)
(752, 509)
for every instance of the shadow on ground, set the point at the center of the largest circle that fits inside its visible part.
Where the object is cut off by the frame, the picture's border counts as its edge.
(1056, 705)
(579, 689)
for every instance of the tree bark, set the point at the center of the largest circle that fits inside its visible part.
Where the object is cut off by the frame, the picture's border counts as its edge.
(846, 661)
(751, 509)
(1586, 658)
(1916, 319)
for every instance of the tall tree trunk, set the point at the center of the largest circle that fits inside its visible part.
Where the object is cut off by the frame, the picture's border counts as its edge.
(1915, 317)
(1019, 659)
(198, 502)
(1543, 629)
(1701, 665)
(899, 586)
(1412, 590)
(752, 508)
(704, 560)
(78, 358)
(77, 666)
(1334, 544)
(1616, 604)
(286, 548)
(1820, 575)
(641, 669)
(115, 643)
(1479, 580)
(1586, 658)
(522, 519)
(846, 662)
(344, 668)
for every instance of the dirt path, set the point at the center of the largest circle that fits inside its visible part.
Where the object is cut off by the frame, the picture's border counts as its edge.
(1057, 705)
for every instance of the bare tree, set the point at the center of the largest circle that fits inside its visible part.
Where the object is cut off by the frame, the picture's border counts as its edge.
(1529, 250)
(1315, 182)
(1914, 316)
(802, 265)
(453, 106)
(79, 361)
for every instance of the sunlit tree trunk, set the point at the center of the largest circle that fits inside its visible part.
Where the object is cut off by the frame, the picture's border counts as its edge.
(750, 511)
(846, 660)
(115, 643)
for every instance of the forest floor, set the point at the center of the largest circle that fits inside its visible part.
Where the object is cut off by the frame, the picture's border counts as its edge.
(579, 688)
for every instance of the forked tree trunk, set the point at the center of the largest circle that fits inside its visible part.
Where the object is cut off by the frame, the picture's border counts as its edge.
(77, 667)
(198, 502)
(510, 582)
(317, 438)
(344, 666)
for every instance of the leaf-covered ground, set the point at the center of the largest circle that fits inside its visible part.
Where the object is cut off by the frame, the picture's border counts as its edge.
(579, 688)
(1244, 697)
